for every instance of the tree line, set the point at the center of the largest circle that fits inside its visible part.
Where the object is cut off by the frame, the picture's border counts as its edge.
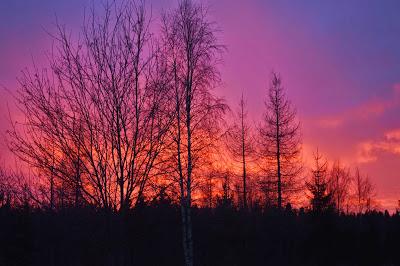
(124, 115)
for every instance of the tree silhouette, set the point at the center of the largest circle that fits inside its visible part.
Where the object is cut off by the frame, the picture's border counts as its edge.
(340, 182)
(280, 143)
(97, 118)
(364, 192)
(191, 53)
(321, 199)
(241, 145)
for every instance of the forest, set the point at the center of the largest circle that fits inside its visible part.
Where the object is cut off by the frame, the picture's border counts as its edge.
(128, 157)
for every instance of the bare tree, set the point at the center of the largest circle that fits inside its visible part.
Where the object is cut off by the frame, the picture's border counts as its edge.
(240, 144)
(7, 188)
(97, 119)
(364, 192)
(17, 189)
(280, 143)
(192, 53)
(340, 182)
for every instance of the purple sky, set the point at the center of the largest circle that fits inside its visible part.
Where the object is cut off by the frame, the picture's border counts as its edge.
(339, 60)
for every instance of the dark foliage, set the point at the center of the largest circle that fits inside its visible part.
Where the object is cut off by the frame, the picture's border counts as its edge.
(151, 235)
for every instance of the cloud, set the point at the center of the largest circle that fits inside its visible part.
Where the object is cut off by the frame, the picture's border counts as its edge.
(366, 111)
(368, 151)
(393, 135)
(373, 108)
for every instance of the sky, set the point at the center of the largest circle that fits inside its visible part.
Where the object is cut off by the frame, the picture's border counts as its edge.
(339, 62)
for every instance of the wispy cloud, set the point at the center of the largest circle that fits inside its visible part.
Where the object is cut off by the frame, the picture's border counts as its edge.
(393, 135)
(374, 108)
(368, 151)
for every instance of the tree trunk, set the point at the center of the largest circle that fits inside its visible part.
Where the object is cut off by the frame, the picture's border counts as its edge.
(189, 259)
(278, 161)
(243, 157)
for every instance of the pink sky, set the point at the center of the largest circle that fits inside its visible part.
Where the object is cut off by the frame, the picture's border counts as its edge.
(339, 61)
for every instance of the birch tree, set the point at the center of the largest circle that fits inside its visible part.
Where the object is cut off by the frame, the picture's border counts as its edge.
(97, 117)
(192, 53)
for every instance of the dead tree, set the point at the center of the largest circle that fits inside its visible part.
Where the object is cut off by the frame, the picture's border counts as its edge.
(192, 53)
(279, 142)
(240, 144)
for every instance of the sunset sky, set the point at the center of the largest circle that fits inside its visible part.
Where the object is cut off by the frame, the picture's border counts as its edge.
(339, 60)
